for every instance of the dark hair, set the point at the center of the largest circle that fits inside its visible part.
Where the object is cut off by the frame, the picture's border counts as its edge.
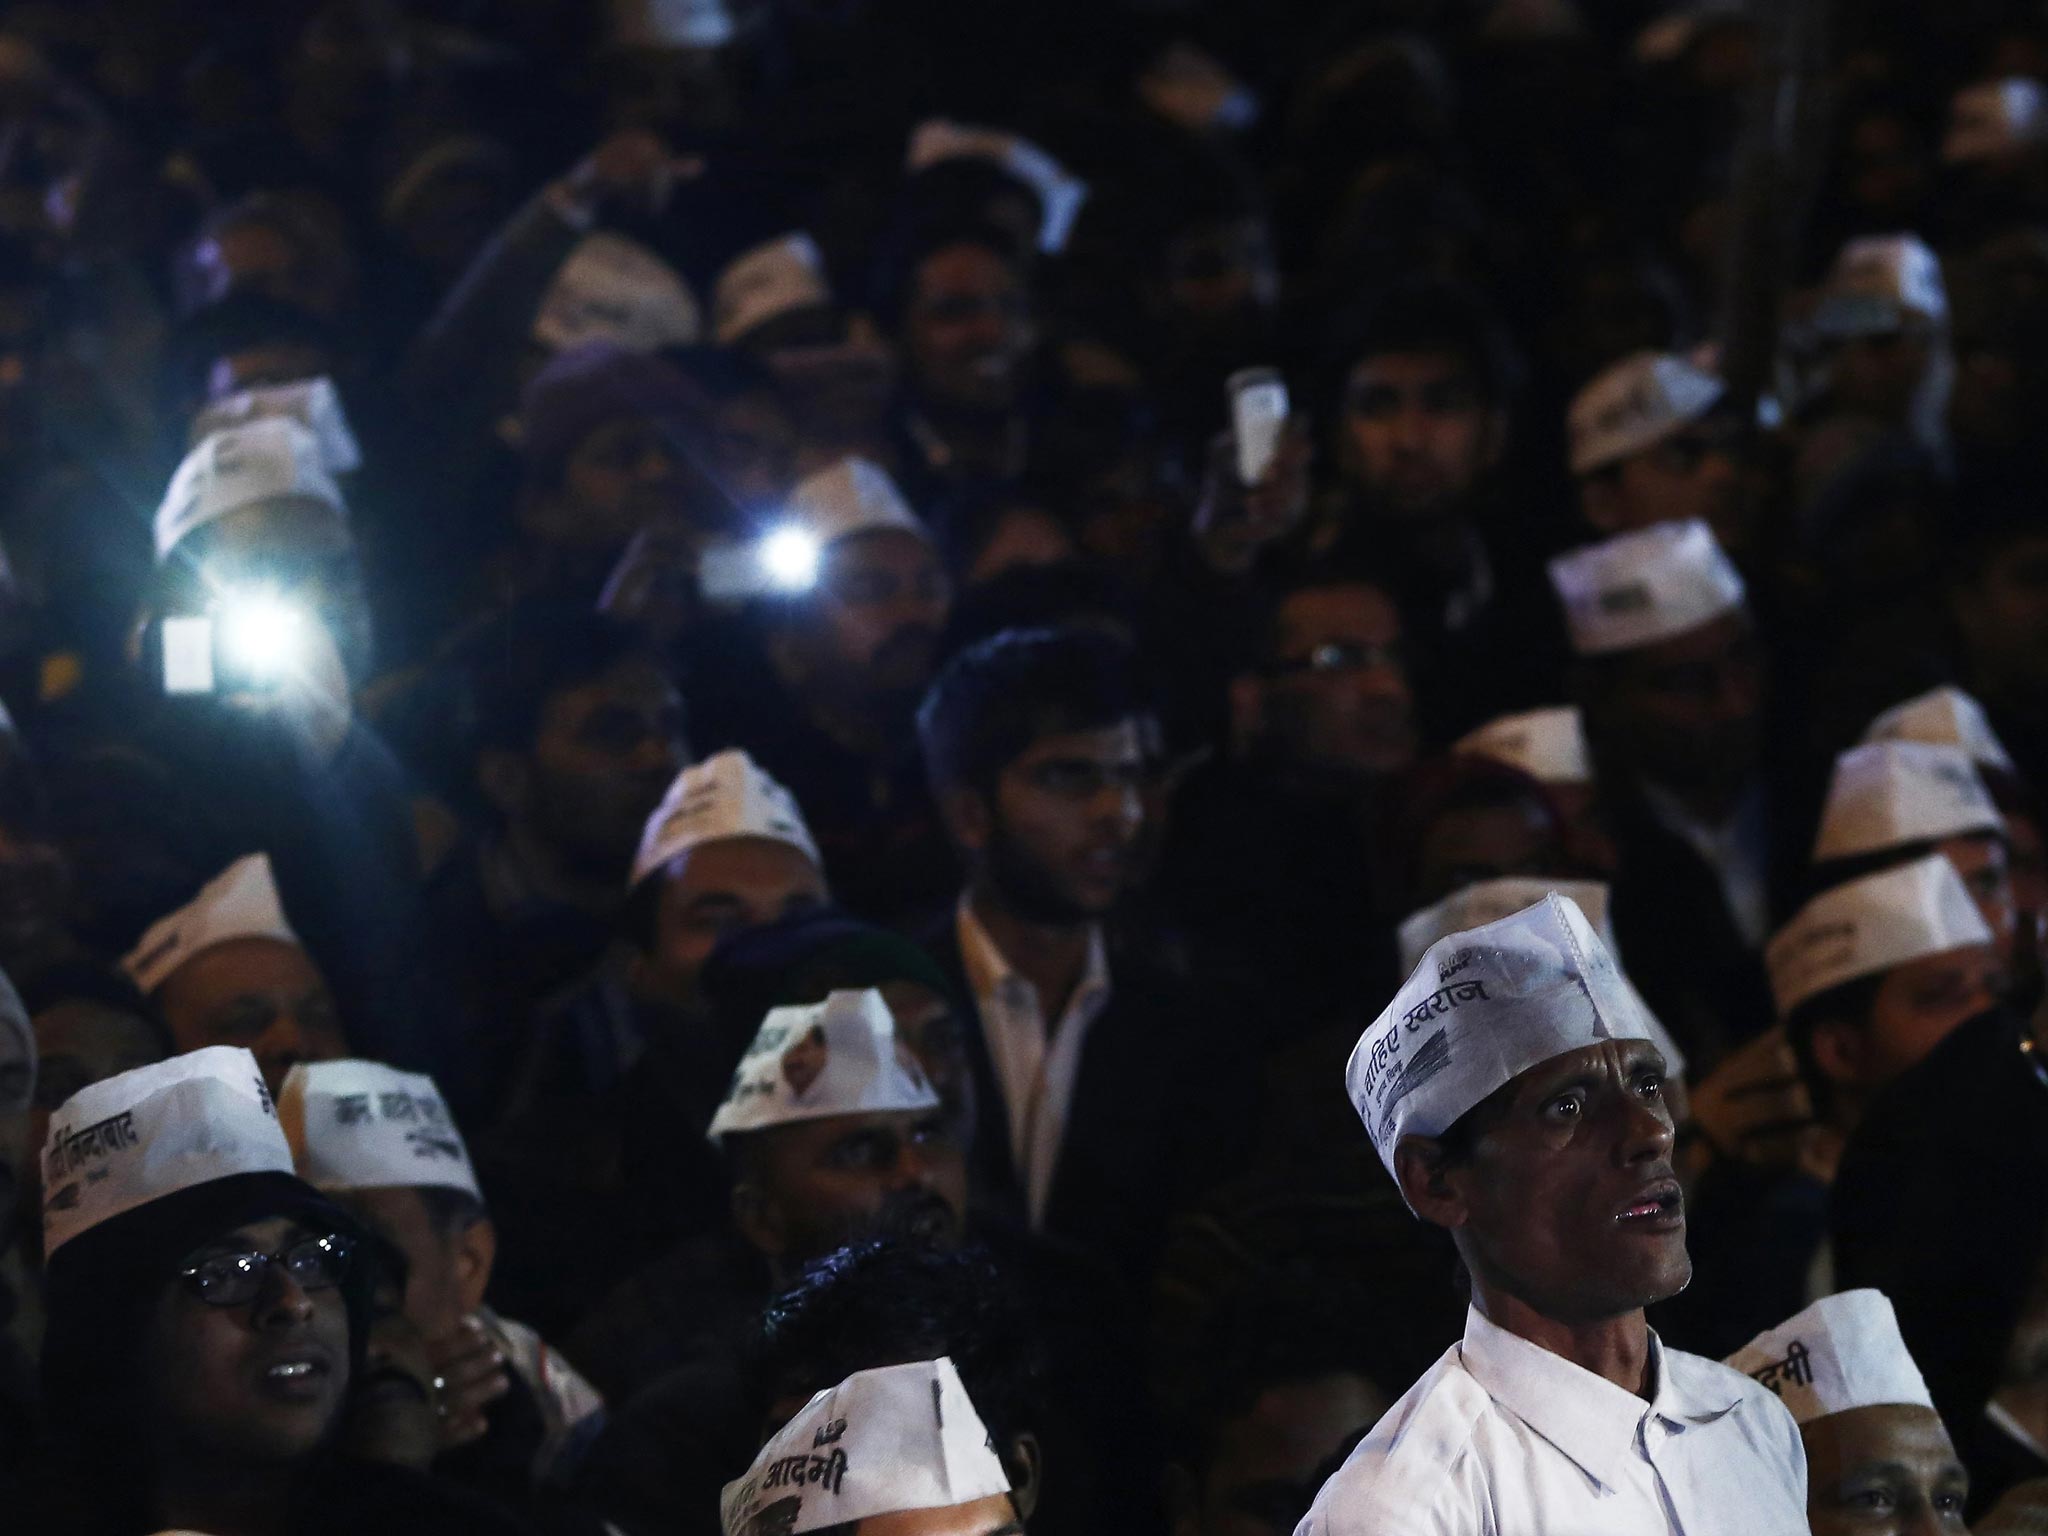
(1296, 577)
(1460, 782)
(994, 699)
(527, 655)
(90, 981)
(233, 324)
(915, 242)
(1851, 1001)
(1430, 316)
(450, 1211)
(886, 1301)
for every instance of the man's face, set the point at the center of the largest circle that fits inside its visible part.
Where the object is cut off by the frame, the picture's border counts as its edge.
(1986, 869)
(992, 1516)
(754, 450)
(1470, 843)
(1686, 712)
(1879, 375)
(1262, 1470)
(1916, 1007)
(1336, 697)
(874, 619)
(436, 1298)
(1570, 1202)
(2003, 616)
(1068, 815)
(720, 888)
(391, 1415)
(1219, 273)
(1888, 1470)
(1418, 432)
(605, 753)
(968, 330)
(818, 1185)
(1689, 474)
(258, 1384)
(81, 1041)
(306, 554)
(264, 995)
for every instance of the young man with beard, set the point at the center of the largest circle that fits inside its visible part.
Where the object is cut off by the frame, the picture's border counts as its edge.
(1094, 1067)
(1512, 1091)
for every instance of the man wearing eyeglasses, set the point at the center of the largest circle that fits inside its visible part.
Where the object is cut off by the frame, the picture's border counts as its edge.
(1091, 1080)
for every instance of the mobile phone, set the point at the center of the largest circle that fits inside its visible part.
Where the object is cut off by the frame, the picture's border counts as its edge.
(242, 645)
(187, 643)
(1258, 415)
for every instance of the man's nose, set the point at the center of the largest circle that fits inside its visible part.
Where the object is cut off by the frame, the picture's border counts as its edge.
(284, 1302)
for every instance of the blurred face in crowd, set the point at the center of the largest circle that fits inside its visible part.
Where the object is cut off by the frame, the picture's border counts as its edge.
(1418, 432)
(1684, 713)
(1486, 839)
(1885, 170)
(448, 1266)
(602, 756)
(81, 1041)
(1262, 1465)
(1023, 536)
(303, 553)
(258, 1384)
(870, 628)
(1691, 473)
(810, 1186)
(390, 1416)
(1916, 1006)
(257, 255)
(968, 330)
(753, 450)
(1058, 841)
(1568, 1201)
(1221, 277)
(2002, 613)
(35, 896)
(1335, 698)
(929, 1025)
(264, 995)
(995, 1515)
(1986, 868)
(1879, 375)
(716, 889)
(1887, 1469)
(623, 476)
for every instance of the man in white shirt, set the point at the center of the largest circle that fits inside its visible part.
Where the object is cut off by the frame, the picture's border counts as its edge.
(1513, 1092)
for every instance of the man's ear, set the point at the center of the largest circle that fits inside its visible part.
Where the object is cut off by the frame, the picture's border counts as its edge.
(1025, 1463)
(1427, 1182)
(502, 776)
(759, 1219)
(968, 820)
(1840, 1050)
(476, 1255)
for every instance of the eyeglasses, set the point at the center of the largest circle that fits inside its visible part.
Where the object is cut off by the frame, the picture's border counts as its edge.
(1338, 656)
(235, 1279)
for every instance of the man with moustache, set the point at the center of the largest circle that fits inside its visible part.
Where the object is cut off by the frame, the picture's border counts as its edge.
(1512, 1090)
(1102, 1084)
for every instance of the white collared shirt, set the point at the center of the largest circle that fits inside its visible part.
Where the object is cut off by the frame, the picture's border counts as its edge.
(1035, 1067)
(1503, 1438)
(1734, 851)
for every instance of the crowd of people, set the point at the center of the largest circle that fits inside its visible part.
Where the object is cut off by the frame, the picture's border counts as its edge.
(1182, 768)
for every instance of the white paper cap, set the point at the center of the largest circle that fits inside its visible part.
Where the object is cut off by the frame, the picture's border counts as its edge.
(266, 460)
(672, 23)
(1865, 926)
(1482, 1008)
(1878, 283)
(1945, 717)
(1995, 117)
(838, 1057)
(313, 403)
(849, 497)
(616, 290)
(1843, 1352)
(725, 796)
(1635, 404)
(771, 280)
(1059, 194)
(363, 1125)
(1547, 744)
(241, 902)
(134, 1138)
(1488, 901)
(1636, 589)
(1889, 794)
(882, 1442)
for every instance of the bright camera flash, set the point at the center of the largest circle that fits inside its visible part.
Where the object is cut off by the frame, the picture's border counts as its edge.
(262, 635)
(789, 559)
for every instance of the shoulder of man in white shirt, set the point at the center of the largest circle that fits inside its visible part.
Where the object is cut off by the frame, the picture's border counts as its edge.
(1414, 1473)
(1762, 1416)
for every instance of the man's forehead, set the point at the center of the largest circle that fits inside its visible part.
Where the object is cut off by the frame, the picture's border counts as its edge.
(1862, 1440)
(1595, 1058)
(1121, 741)
(1413, 368)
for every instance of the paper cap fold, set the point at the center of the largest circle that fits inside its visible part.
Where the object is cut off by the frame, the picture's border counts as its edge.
(1060, 195)
(363, 1125)
(241, 902)
(123, 1142)
(617, 290)
(271, 459)
(882, 1442)
(1870, 925)
(723, 797)
(1843, 1352)
(1944, 717)
(313, 403)
(1878, 284)
(1636, 404)
(771, 280)
(1638, 588)
(1891, 794)
(838, 1057)
(852, 496)
(1993, 118)
(1547, 744)
(1482, 1007)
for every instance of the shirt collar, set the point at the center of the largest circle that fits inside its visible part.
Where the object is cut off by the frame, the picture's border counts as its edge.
(989, 971)
(1587, 1417)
